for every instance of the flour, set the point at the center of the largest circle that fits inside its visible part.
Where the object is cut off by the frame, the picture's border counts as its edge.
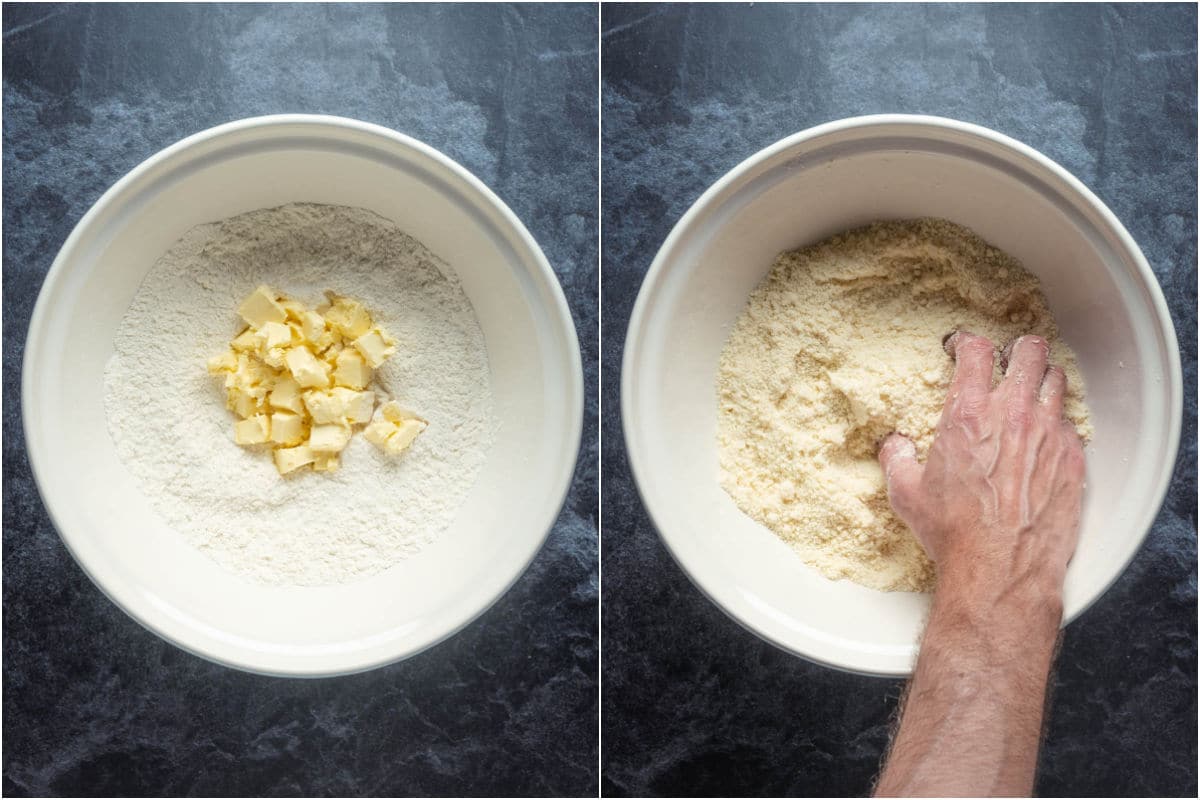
(840, 345)
(168, 419)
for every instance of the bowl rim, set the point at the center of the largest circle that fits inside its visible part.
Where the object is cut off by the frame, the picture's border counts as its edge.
(558, 313)
(921, 124)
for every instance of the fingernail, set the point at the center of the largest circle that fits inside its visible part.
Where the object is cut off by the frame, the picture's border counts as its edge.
(949, 342)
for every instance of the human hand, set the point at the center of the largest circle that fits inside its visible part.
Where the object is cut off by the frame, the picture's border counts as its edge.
(997, 502)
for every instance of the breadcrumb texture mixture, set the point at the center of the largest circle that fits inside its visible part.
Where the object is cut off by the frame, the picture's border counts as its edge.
(840, 345)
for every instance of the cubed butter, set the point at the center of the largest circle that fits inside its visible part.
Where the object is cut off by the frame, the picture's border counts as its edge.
(326, 462)
(255, 430)
(351, 370)
(287, 428)
(274, 335)
(377, 432)
(358, 405)
(315, 331)
(261, 307)
(374, 347)
(286, 394)
(226, 362)
(242, 404)
(347, 316)
(274, 357)
(297, 380)
(394, 428)
(406, 432)
(288, 459)
(307, 369)
(293, 308)
(394, 412)
(247, 340)
(328, 438)
(325, 408)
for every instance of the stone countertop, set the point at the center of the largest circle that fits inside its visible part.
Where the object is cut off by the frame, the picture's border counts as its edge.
(96, 705)
(694, 704)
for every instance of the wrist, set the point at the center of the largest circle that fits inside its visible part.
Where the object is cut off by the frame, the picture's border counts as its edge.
(1020, 607)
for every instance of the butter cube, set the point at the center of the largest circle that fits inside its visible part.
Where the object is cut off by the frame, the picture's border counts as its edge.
(394, 412)
(358, 405)
(274, 357)
(315, 331)
(326, 462)
(274, 335)
(261, 307)
(287, 428)
(375, 348)
(325, 407)
(406, 432)
(288, 459)
(252, 377)
(242, 404)
(293, 308)
(351, 370)
(340, 405)
(286, 394)
(254, 430)
(394, 429)
(226, 362)
(328, 438)
(377, 432)
(247, 340)
(307, 369)
(347, 316)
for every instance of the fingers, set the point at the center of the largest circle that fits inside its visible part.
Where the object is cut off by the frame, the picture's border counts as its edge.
(973, 364)
(1027, 358)
(902, 471)
(1053, 391)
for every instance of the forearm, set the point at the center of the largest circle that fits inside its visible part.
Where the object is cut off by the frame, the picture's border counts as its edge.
(972, 718)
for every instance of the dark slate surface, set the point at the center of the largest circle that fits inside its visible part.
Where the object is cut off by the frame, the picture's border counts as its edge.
(692, 703)
(94, 704)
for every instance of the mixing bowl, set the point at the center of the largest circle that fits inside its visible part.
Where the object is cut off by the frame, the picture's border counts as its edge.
(148, 569)
(818, 183)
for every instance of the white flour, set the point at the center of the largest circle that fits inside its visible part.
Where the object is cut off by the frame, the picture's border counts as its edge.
(168, 419)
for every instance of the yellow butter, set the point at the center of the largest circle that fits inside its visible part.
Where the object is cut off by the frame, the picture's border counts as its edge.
(287, 428)
(307, 369)
(374, 347)
(286, 394)
(351, 370)
(261, 307)
(326, 462)
(255, 430)
(297, 379)
(273, 335)
(347, 316)
(288, 459)
(328, 438)
(394, 428)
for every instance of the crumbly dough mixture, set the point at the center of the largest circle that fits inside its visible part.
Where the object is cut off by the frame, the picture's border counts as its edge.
(840, 345)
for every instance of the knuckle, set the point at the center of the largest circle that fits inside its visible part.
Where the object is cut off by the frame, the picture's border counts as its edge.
(1018, 415)
(970, 407)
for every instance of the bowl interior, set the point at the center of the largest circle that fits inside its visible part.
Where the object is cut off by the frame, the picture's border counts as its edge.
(156, 575)
(817, 187)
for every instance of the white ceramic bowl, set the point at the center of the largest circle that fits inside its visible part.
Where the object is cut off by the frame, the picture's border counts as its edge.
(825, 180)
(148, 569)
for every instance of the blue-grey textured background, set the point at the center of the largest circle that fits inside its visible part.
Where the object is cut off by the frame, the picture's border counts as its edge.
(94, 704)
(694, 704)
